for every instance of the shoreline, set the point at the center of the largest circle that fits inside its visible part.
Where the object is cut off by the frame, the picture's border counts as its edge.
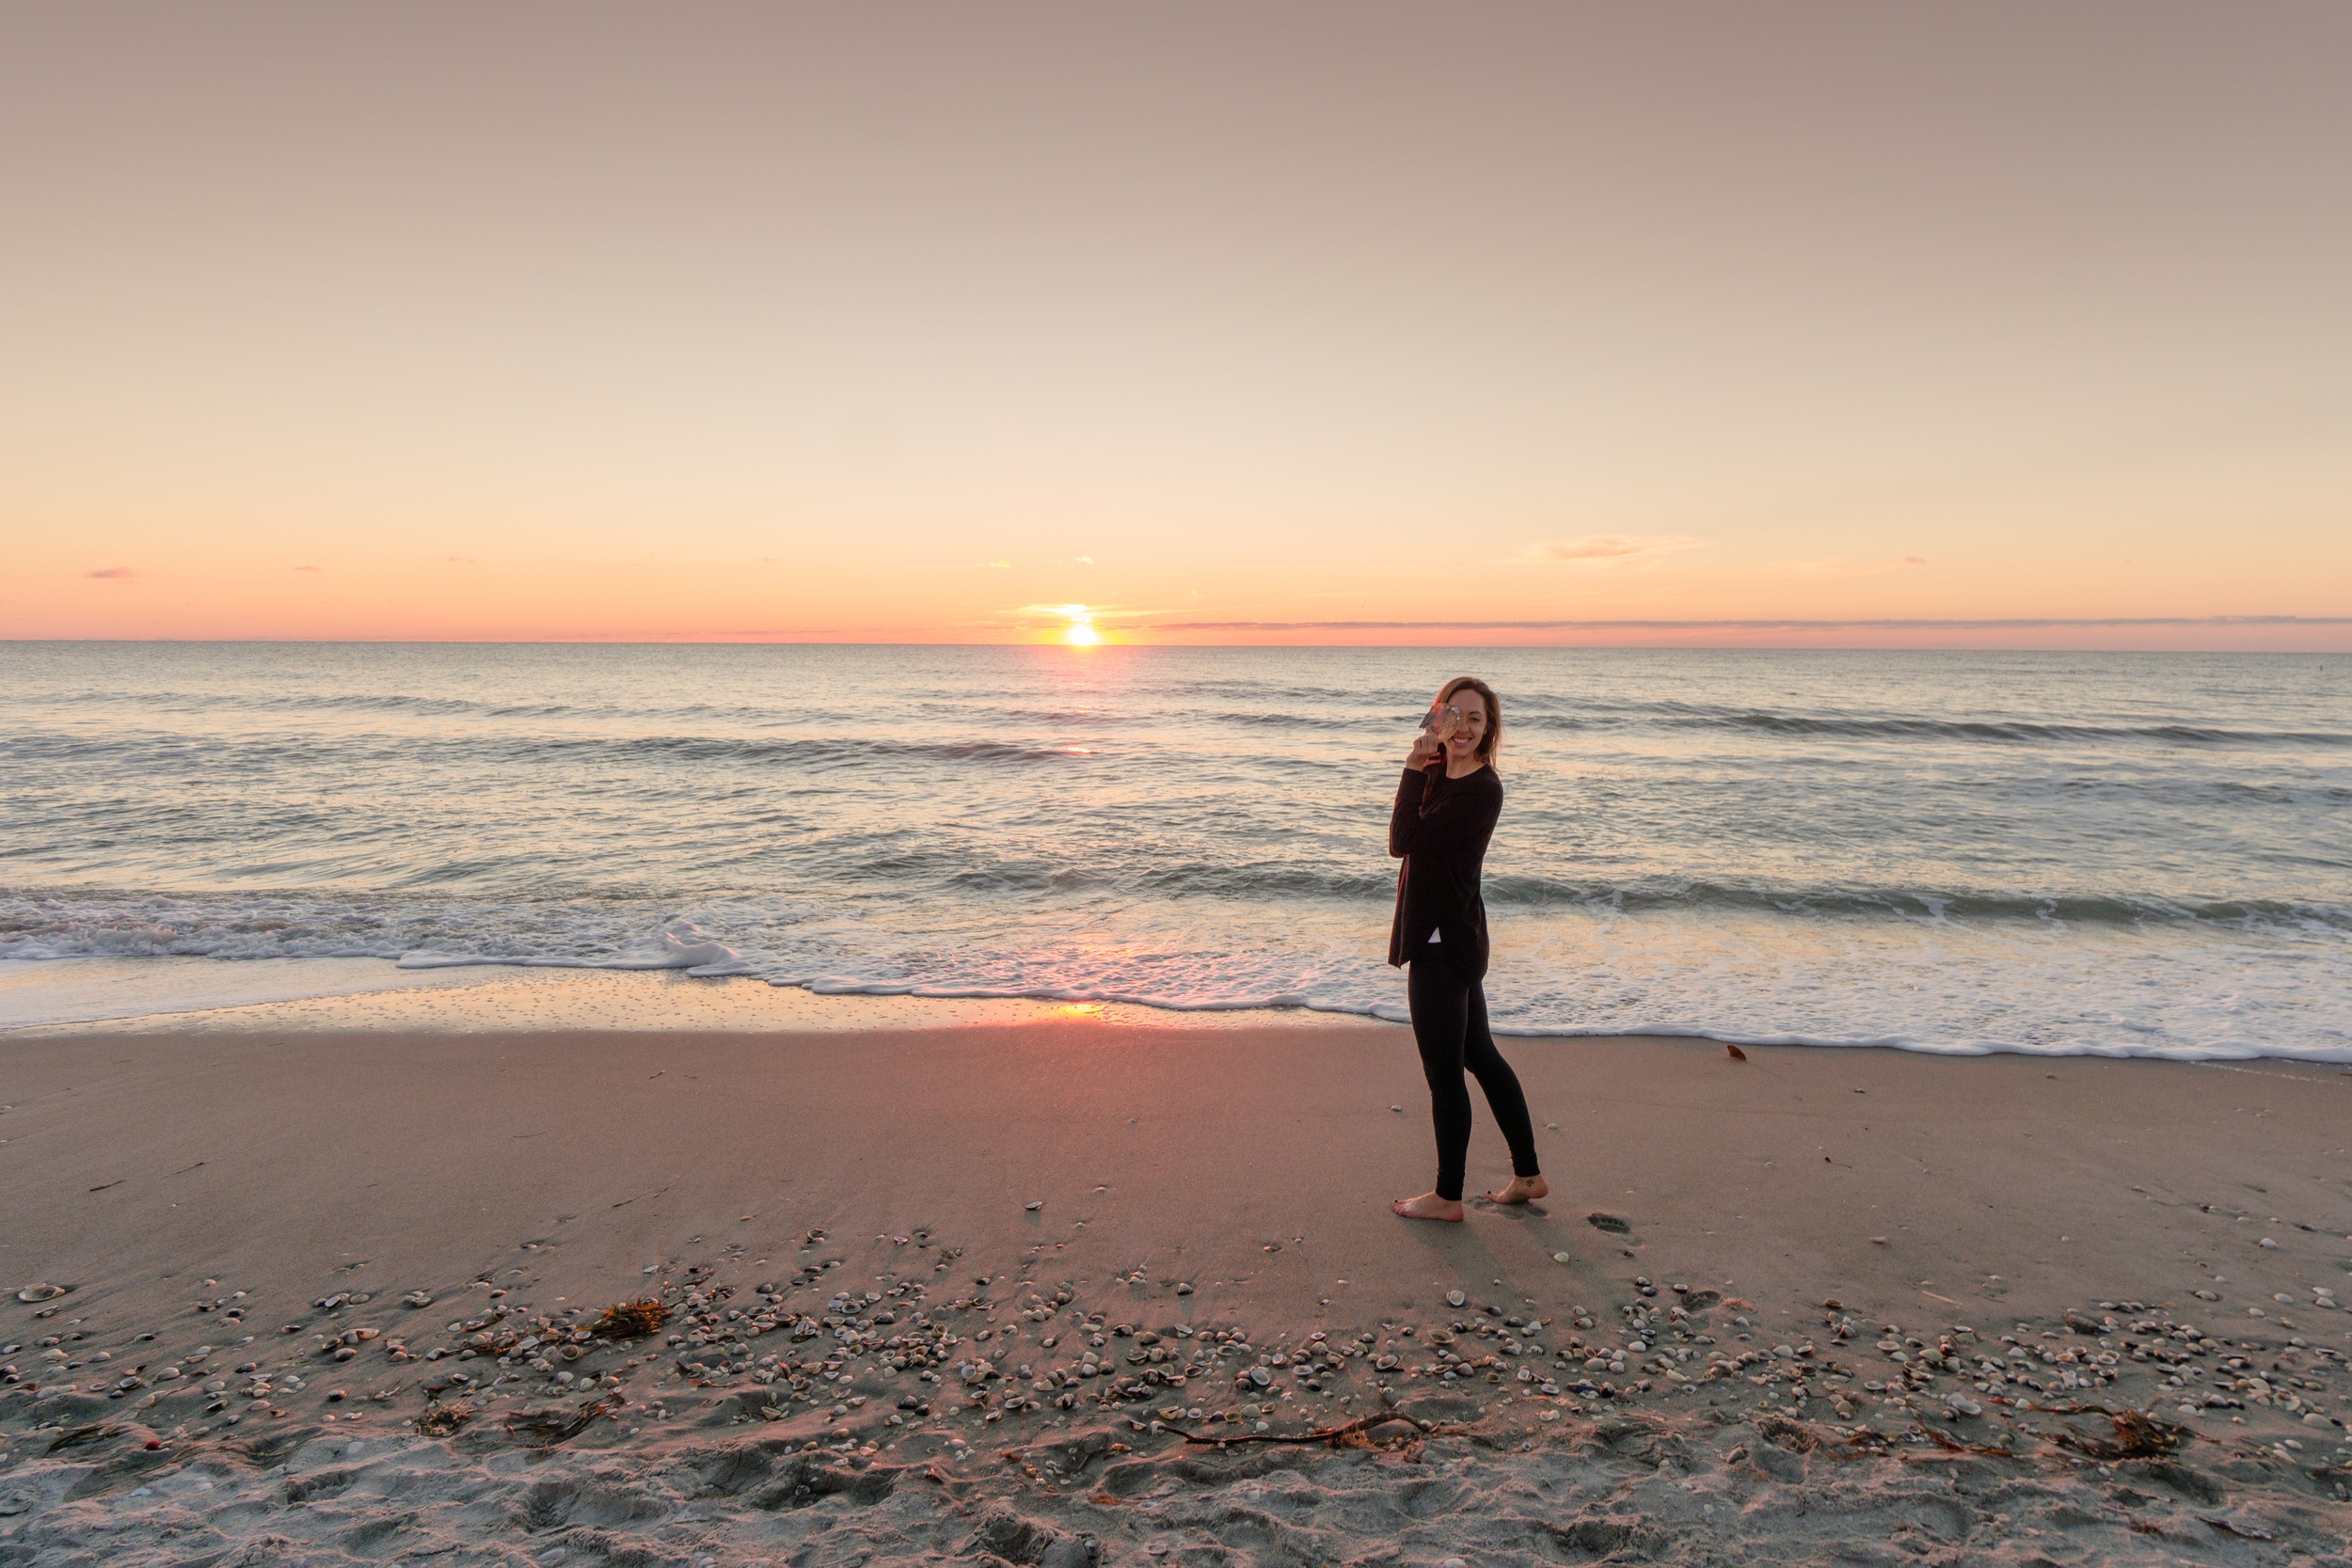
(995, 1187)
(65, 996)
(70, 996)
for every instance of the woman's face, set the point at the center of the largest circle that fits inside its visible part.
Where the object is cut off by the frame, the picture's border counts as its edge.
(1462, 745)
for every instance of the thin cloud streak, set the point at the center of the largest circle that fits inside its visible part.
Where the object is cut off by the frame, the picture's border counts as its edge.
(1600, 547)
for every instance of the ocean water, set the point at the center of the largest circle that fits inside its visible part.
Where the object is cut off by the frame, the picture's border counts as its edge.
(2067, 853)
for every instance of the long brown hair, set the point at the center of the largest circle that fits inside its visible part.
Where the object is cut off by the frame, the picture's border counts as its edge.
(1493, 738)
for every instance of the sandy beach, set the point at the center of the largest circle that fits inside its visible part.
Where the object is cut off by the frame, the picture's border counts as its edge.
(1061, 1291)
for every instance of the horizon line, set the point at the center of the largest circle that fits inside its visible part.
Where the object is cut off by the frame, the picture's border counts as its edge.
(1310, 629)
(1923, 623)
(815, 634)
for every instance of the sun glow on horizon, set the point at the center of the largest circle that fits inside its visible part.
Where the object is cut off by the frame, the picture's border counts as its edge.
(1081, 632)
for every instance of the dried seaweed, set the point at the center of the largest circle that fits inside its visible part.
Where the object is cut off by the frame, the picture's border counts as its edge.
(1788, 1434)
(548, 1428)
(631, 1319)
(2232, 1527)
(2138, 1436)
(1950, 1444)
(1805, 1438)
(83, 1437)
(1347, 1434)
(441, 1420)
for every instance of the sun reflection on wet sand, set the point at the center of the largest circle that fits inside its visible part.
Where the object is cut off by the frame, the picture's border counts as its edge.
(375, 995)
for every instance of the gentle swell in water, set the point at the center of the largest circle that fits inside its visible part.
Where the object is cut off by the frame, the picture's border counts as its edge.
(2052, 852)
(1532, 711)
(1680, 715)
(630, 932)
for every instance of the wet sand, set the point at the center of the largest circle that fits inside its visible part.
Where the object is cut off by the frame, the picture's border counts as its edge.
(1008, 1195)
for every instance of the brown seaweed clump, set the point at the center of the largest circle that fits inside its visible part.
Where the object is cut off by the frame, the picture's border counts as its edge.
(631, 1319)
(546, 1428)
(440, 1420)
(2138, 1436)
(83, 1437)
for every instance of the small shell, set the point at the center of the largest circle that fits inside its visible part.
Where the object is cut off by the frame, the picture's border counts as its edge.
(43, 1293)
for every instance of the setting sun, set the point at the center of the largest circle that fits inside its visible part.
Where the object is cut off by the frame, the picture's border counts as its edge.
(1080, 633)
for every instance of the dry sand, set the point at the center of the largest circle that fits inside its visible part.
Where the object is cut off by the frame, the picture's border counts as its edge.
(1002, 1201)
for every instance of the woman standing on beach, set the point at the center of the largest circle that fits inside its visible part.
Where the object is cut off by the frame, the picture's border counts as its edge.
(1445, 812)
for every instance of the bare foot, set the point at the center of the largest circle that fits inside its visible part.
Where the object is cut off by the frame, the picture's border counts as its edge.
(1522, 1189)
(1429, 1206)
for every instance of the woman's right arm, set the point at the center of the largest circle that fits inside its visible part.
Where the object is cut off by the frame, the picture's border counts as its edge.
(1415, 785)
(1405, 816)
(1460, 823)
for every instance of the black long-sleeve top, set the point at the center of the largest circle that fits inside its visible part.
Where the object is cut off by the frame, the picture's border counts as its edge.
(1439, 828)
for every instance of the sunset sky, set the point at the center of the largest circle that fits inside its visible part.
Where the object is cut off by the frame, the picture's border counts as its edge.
(1987, 325)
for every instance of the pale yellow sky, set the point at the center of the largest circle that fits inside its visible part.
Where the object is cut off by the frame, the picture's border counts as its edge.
(1359, 323)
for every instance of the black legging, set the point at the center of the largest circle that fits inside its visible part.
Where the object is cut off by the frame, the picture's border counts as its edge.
(1450, 1026)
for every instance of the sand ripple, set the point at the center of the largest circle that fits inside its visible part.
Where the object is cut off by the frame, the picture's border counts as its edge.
(1626, 1489)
